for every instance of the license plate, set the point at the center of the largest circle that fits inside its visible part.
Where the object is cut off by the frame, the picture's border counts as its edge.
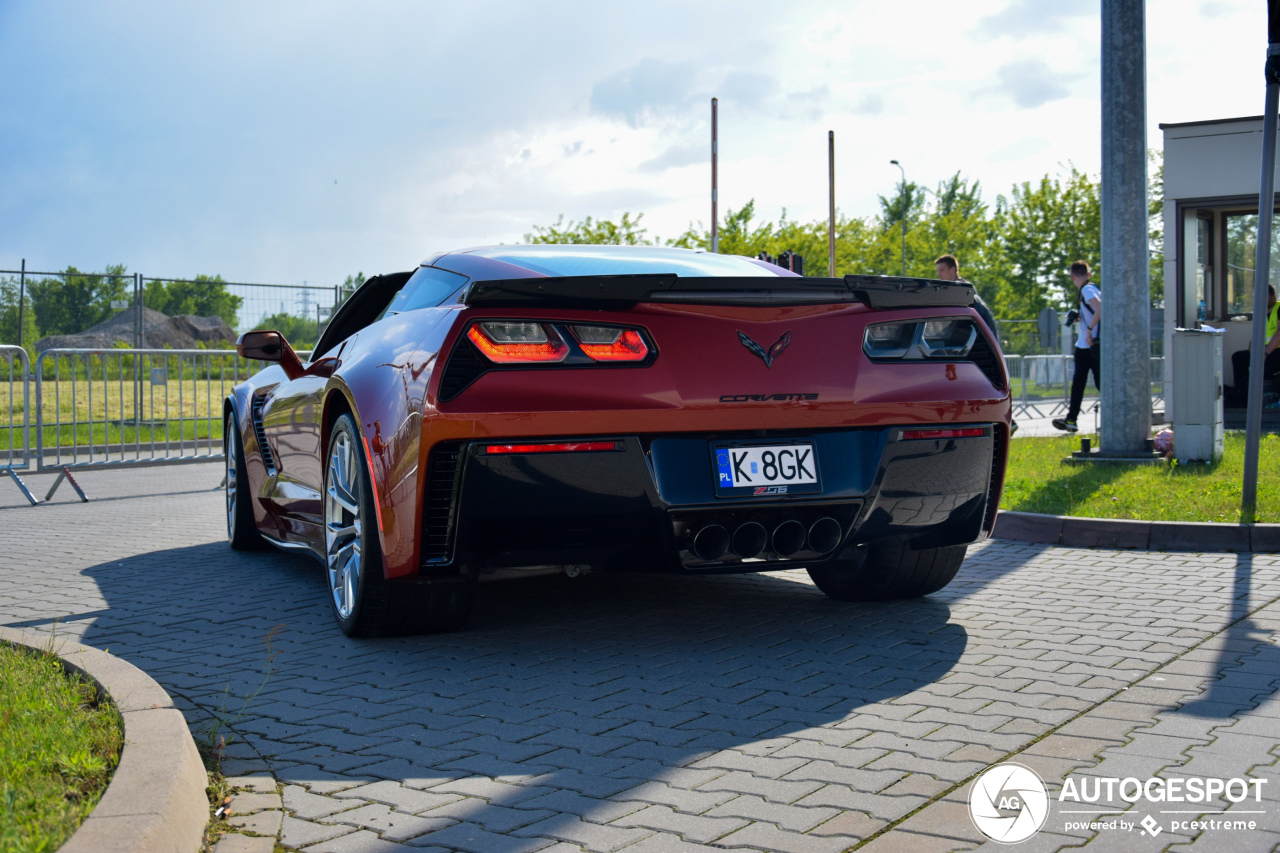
(764, 470)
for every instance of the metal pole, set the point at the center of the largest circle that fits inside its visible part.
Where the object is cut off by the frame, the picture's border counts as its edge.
(1262, 268)
(22, 298)
(904, 216)
(715, 227)
(142, 304)
(831, 202)
(1125, 422)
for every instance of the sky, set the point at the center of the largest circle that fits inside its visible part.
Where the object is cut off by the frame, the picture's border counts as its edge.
(305, 141)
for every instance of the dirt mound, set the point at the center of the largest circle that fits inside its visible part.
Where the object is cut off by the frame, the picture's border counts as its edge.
(160, 331)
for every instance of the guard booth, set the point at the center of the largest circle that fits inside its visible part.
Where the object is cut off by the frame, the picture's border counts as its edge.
(1211, 177)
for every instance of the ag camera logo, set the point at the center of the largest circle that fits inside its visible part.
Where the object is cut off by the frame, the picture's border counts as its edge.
(1008, 803)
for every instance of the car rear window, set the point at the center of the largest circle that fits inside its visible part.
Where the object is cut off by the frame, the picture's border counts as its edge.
(623, 260)
(426, 288)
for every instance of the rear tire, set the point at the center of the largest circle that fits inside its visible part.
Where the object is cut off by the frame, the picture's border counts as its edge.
(887, 571)
(242, 531)
(364, 602)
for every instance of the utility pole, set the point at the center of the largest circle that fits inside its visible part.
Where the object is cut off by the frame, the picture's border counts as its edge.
(905, 207)
(1126, 310)
(1262, 267)
(831, 203)
(715, 228)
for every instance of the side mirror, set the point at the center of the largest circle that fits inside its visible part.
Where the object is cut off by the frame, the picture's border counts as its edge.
(270, 346)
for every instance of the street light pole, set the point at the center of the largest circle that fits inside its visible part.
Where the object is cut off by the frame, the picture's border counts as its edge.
(831, 202)
(904, 216)
(715, 153)
(1262, 268)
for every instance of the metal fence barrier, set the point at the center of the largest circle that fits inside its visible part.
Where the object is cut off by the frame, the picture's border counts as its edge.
(100, 408)
(15, 424)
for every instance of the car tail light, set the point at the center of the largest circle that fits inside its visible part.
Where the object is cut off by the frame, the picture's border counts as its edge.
(914, 340)
(609, 343)
(889, 340)
(550, 447)
(508, 342)
(965, 432)
(951, 338)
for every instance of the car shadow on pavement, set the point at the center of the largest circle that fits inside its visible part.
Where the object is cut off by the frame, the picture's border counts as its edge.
(1246, 671)
(560, 691)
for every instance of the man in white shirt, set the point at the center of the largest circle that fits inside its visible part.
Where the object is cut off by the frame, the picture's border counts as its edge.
(1088, 356)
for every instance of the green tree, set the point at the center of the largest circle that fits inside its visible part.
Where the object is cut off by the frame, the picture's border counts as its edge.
(627, 232)
(70, 303)
(9, 288)
(203, 296)
(301, 332)
(1044, 227)
(1155, 207)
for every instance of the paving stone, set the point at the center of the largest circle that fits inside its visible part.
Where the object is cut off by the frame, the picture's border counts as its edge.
(300, 833)
(259, 823)
(250, 803)
(688, 827)
(592, 836)
(304, 804)
(571, 802)
(397, 795)
(494, 818)
(256, 784)
(390, 823)
(848, 824)
(769, 837)
(773, 790)
(235, 843)
(692, 801)
(473, 838)
(361, 841)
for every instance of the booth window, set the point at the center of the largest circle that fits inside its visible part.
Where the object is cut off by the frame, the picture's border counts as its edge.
(1216, 282)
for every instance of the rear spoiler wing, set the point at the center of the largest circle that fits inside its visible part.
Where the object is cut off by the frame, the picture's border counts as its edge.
(624, 291)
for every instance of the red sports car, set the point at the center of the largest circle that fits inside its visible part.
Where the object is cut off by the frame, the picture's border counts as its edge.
(511, 410)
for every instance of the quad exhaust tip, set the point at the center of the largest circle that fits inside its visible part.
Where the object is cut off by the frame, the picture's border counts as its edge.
(824, 535)
(788, 538)
(711, 542)
(749, 540)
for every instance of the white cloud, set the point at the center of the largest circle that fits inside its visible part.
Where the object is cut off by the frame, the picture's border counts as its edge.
(1031, 83)
(208, 138)
(1031, 17)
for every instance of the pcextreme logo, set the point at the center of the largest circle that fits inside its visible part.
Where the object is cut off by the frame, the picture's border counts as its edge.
(1008, 803)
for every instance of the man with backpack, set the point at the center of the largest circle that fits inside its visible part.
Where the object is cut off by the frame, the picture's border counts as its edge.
(947, 268)
(1088, 353)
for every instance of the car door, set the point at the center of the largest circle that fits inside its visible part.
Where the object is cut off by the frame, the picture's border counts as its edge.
(293, 412)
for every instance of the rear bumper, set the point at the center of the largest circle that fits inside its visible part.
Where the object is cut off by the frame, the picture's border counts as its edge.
(642, 506)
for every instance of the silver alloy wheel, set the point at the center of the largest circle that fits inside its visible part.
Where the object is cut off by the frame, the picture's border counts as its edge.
(343, 524)
(229, 446)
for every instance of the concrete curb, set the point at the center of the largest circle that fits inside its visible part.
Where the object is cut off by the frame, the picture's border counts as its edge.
(156, 799)
(1136, 535)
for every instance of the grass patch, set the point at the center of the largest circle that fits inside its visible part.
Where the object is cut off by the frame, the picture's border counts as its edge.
(58, 748)
(1038, 480)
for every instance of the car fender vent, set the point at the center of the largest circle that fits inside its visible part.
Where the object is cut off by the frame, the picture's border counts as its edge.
(987, 361)
(440, 503)
(465, 364)
(261, 435)
(998, 441)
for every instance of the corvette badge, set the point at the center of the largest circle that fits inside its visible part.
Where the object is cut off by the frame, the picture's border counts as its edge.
(774, 351)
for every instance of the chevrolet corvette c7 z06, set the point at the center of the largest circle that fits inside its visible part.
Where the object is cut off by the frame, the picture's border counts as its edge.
(511, 410)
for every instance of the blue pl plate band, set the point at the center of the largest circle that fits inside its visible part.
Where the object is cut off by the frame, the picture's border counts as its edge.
(722, 463)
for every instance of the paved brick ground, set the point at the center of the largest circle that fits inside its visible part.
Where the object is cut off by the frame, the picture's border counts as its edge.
(668, 713)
